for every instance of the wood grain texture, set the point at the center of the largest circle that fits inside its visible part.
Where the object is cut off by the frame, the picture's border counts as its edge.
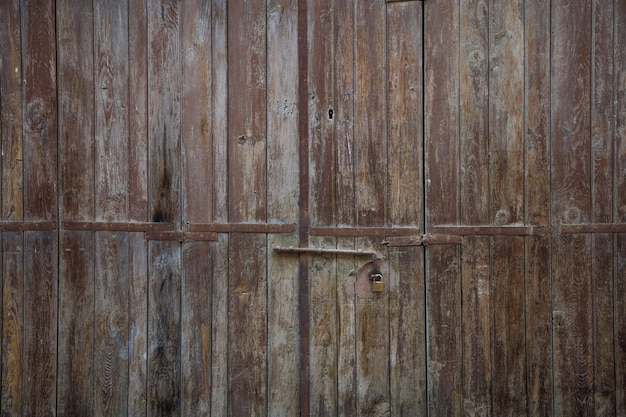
(571, 198)
(13, 308)
(282, 206)
(164, 111)
(111, 120)
(164, 329)
(39, 92)
(76, 324)
(537, 198)
(443, 289)
(75, 38)
(40, 336)
(602, 172)
(407, 321)
(507, 157)
(474, 202)
(11, 116)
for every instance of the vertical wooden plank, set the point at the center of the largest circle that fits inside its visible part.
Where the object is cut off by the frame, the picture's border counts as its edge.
(40, 323)
(537, 197)
(474, 199)
(76, 109)
(247, 124)
(137, 110)
(111, 166)
(112, 335)
(405, 118)
(506, 150)
(137, 325)
(572, 302)
(344, 116)
(76, 325)
(13, 308)
(282, 206)
(371, 199)
(219, 254)
(322, 168)
(11, 111)
(443, 289)
(619, 187)
(602, 139)
(164, 118)
(164, 337)
(197, 162)
(40, 110)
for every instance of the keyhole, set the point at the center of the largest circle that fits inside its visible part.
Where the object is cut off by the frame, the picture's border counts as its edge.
(330, 114)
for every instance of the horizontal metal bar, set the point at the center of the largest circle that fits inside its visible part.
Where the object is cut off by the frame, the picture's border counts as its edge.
(27, 226)
(424, 240)
(117, 226)
(490, 230)
(593, 228)
(242, 227)
(364, 231)
(331, 251)
(182, 236)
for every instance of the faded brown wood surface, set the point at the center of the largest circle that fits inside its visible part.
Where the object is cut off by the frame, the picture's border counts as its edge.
(496, 115)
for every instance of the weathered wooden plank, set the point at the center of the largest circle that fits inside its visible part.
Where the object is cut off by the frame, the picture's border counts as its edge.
(371, 199)
(619, 187)
(537, 197)
(111, 82)
(474, 202)
(443, 289)
(219, 254)
(282, 206)
(164, 329)
(571, 198)
(39, 92)
(506, 151)
(196, 284)
(405, 171)
(138, 110)
(322, 288)
(602, 140)
(112, 331)
(40, 323)
(164, 112)
(76, 324)
(13, 308)
(344, 58)
(76, 91)
(11, 115)
(137, 325)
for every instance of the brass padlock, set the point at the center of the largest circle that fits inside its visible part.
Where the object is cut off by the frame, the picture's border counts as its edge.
(378, 285)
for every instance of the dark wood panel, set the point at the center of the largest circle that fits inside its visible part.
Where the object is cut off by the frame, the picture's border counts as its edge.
(76, 98)
(111, 120)
(443, 289)
(571, 197)
(39, 92)
(13, 308)
(76, 324)
(537, 197)
(40, 323)
(11, 116)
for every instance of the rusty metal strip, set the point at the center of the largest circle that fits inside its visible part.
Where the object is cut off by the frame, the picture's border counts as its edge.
(364, 231)
(424, 240)
(593, 228)
(182, 236)
(242, 227)
(117, 226)
(490, 230)
(27, 226)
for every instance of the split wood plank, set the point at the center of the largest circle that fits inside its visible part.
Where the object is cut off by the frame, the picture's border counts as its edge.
(443, 289)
